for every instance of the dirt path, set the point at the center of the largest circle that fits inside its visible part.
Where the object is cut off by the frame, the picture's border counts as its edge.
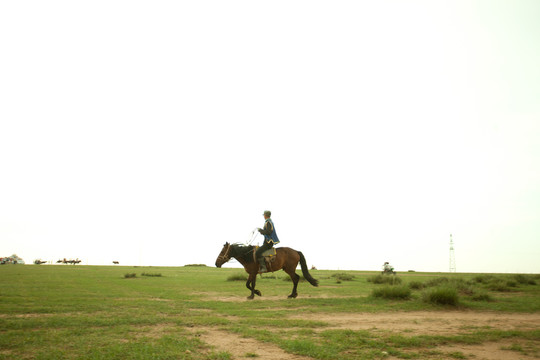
(404, 323)
(443, 323)
(244, 348)
(426, 322)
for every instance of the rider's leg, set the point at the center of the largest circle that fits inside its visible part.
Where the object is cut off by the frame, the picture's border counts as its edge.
(258, 255)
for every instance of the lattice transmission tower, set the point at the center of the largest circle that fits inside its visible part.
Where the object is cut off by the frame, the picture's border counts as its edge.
(452, 256)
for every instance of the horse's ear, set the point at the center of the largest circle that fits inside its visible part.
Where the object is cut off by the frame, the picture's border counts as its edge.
(226, 244)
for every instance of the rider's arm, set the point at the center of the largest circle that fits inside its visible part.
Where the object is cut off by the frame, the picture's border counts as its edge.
(267, 230)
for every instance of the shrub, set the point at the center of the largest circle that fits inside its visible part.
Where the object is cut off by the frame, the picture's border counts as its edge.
(416, 285)
(392, 292)
(151, 275)
(511, 283)
(196, 265)
(481, 296)
(342, 277)
(484, 279)
(237, 277)
(384, 279)
(498, 284)
(130, 276)
(442, 295)
(524, 279)
(437, 281)
(466, 290)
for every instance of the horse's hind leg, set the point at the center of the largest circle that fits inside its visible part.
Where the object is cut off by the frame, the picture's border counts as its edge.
(295, 278)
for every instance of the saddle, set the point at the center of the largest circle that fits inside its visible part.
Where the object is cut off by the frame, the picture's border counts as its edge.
(269, 255)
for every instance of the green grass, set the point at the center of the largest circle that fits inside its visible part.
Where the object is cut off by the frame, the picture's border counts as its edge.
(94, 312)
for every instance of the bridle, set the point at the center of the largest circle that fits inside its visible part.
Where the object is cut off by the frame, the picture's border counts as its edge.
(225, 257)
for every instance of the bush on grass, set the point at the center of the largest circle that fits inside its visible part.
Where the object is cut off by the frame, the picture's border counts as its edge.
(152, 274)
(481, 296)
(437, 281)
(499, 284)
(343, 277)
(384, 279)
(524, 279)
(237, 277)
(417, 285)
(130, 276)
(483, 279)
(401, 292)
(442, 295)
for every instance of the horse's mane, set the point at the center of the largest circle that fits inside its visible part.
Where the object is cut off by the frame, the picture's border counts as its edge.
(243, 252)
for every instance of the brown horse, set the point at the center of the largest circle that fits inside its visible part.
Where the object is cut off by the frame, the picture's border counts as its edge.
(286, 259)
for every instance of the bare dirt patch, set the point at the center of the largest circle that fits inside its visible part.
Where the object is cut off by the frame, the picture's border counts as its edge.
(24, 316)
(426, 322)
(486, 351)
(244, 348)
(154, 331)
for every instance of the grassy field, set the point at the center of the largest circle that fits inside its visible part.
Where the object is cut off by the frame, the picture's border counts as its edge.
(196, 312)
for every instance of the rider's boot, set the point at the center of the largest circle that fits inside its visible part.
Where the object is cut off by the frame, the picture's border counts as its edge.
(262, 263)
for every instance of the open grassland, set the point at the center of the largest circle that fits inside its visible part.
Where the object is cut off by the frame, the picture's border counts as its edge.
(91, 312)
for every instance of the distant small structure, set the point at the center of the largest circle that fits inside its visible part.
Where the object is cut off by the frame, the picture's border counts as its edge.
(452, 267)
(115, 262)
(13, 259)
(39, 262)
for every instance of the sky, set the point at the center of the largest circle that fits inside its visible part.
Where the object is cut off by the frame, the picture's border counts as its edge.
(151, 133)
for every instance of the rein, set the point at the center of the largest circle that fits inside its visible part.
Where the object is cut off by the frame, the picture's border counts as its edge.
(226, 257)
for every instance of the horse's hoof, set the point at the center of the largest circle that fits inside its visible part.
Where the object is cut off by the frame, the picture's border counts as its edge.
(250, 297)
(258, 293)
(292, 296)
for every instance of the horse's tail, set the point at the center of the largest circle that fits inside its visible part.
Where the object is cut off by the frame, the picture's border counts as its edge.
(305, 271)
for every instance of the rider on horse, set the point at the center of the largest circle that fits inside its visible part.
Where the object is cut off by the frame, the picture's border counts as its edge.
(270, 239)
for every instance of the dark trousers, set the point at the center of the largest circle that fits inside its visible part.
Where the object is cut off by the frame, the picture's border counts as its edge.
(265, 246)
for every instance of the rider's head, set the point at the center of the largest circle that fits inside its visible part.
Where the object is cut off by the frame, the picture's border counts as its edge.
(267, 214)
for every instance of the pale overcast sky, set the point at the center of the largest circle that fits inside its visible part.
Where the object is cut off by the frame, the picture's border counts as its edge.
(153, 132)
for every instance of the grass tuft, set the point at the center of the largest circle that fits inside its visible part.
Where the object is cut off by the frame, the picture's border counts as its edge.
(417, 285)
(152, 274)
(384, 279)
(481, 296)
(237, 277)
(502, 285)
(442, 295)
(524, 279)
(343, 277)
(402, 292)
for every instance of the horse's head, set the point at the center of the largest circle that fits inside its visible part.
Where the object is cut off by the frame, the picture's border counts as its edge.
(224, 255)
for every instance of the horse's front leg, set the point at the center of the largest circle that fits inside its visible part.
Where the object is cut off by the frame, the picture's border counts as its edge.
(251, 286)
(252, 280)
